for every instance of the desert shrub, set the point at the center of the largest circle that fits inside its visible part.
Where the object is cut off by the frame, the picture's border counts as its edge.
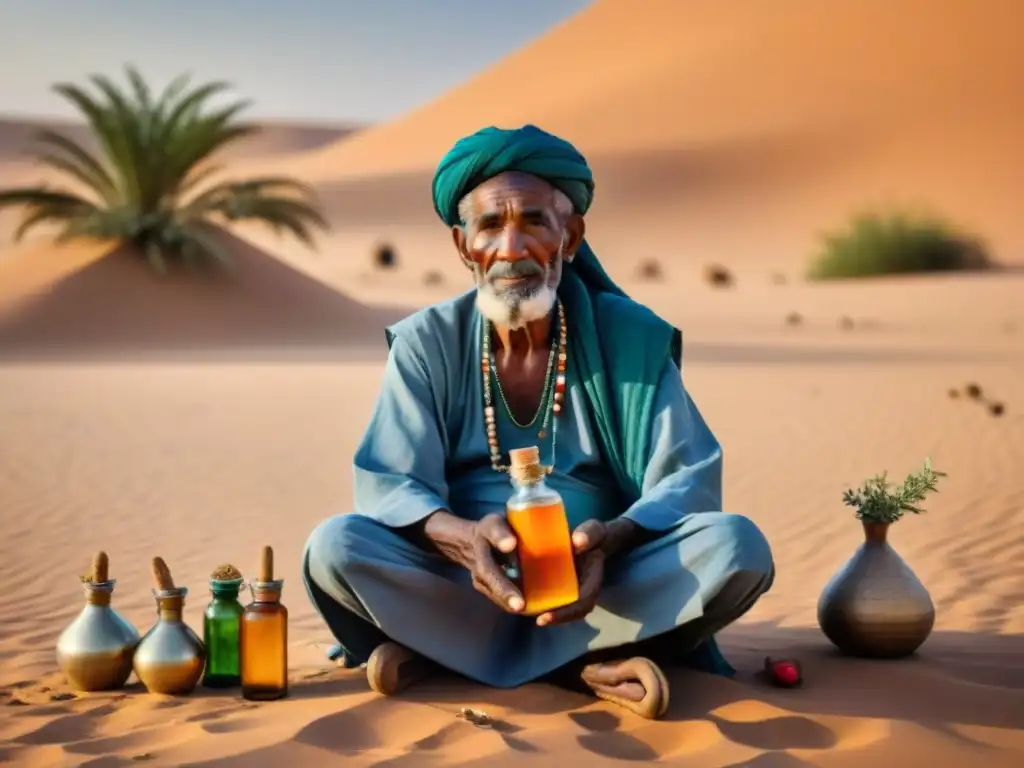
(384, 256)
(650, 270)
(875, 244)
(717, 276)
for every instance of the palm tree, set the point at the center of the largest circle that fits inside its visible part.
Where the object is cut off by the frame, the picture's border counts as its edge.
(149, 184)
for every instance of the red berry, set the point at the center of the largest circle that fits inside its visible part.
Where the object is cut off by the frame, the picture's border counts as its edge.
(786, 673)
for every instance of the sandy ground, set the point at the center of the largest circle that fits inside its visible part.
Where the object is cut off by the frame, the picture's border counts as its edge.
(203, 462)
(200, 423)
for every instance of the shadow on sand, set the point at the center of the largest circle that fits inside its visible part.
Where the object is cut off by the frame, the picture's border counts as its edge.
(981, 678)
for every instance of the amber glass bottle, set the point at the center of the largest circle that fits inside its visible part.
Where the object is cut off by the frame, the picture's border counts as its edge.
(536, 514)
(264, 638)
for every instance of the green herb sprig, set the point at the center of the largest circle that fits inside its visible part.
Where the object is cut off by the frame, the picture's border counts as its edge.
(876, 501)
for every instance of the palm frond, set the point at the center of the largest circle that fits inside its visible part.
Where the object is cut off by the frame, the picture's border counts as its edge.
(190, 105)
(130, 126)
(198, 140)
(143, 96)
(265, 200)
(88, 169)
(201, 243)
(39, 196)
(195, 178)
(248, 187)
(45, 205)
(171, 92)
(280, 213)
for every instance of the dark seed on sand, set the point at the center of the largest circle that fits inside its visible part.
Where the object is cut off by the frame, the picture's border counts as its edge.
(63, 697)
(973, 391)
(996, 409)
(143, 756)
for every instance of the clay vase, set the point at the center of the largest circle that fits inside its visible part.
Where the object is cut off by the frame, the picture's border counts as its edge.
(95, 652)
(875, 606)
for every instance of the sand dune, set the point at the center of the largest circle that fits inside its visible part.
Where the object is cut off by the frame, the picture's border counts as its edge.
(693, 75)
(741, 137)
(115, 304)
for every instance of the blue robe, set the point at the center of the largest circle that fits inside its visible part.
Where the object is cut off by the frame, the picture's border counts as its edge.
(425, 449)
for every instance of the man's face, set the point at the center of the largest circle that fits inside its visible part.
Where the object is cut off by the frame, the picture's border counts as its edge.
(514, 241)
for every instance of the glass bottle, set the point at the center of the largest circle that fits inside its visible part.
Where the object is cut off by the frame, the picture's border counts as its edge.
(536, 514)
(265, 643)
(221, 629)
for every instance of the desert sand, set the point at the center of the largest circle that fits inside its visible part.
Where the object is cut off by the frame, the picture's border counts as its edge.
(202, 463)
(198, 421)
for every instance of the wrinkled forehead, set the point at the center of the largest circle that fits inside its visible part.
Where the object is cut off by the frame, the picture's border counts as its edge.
(514, 191)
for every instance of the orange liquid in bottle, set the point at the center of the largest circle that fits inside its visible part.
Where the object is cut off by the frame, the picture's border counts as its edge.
(264, 651)
(546, 565)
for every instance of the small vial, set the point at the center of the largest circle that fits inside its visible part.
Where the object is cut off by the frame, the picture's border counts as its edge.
(221, 634)
(536, 514)
(264, 637)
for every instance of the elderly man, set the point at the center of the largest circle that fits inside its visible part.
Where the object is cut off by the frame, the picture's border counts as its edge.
(546, 351)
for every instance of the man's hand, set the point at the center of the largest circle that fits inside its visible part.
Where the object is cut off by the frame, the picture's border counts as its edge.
(493, 533)
(588, 541)
(472, 546)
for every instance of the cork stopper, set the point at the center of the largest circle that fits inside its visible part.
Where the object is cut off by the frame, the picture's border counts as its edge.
(162, 575)
(225, 572)
(525, 465)
(99, 573)
(266, 564)
(524, 457)
(100, 568)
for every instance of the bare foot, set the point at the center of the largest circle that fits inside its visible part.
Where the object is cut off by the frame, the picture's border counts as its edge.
(636, 684)
(392, 668)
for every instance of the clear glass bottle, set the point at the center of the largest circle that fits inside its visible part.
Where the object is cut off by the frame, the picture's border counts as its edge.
(221, 629)
(264, 635)
(536, 513)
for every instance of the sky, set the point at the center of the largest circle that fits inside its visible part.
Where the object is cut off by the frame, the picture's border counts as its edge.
(314, 60)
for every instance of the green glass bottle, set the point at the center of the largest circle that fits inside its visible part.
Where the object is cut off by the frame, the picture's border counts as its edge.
(221, 624)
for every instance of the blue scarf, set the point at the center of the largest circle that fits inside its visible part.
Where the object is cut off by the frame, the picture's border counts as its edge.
(620, 363)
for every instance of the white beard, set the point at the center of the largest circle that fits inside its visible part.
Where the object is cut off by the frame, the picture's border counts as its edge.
(516, 315)
(500, 312)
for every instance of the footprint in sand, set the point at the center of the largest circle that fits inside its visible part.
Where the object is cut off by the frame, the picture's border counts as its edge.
(148, 741)
(649, 741)
(777, 733)
(402, 726)
(772, 760)
(66, 728)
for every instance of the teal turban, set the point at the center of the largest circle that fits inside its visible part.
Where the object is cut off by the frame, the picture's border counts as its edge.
(491, 151)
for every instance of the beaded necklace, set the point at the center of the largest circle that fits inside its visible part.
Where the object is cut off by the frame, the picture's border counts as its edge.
(551, 399)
